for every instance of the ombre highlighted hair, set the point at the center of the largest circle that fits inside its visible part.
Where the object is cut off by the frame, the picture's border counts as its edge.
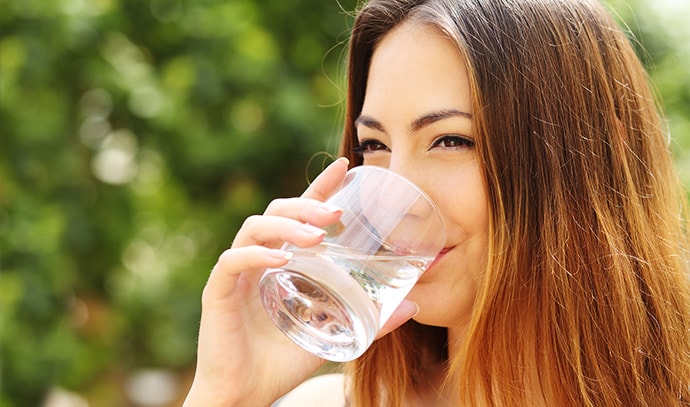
(585, 300)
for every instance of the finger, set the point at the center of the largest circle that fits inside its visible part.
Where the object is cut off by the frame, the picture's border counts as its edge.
(305, 210)
(405, 311)
(273, 231)
(328, 181)
(225, 278)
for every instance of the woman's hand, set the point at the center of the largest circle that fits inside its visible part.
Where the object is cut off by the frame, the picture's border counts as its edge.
(243, 359)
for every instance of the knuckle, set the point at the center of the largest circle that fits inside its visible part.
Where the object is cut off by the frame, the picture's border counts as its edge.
(244, 257)
(250, 223)
(276, 205)
(225, 258)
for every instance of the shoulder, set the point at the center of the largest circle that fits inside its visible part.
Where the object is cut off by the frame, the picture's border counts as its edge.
(322, 390)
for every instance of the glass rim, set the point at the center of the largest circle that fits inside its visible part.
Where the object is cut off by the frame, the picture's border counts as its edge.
(421, 192)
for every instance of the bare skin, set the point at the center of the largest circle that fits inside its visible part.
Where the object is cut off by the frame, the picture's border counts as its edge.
(238, 343)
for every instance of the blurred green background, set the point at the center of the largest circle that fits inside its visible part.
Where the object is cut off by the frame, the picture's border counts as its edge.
(135, 137)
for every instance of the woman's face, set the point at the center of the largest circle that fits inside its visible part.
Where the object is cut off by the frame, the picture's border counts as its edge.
(417, 121)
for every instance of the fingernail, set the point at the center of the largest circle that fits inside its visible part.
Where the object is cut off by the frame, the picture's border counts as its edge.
(280, 254)
(330, 208)
(344, 159)
(415, 305)
(313, 230)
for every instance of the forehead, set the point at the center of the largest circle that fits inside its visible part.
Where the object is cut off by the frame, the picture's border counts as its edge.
(415, 64)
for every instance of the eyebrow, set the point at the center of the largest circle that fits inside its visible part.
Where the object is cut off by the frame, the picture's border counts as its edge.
(418, 123)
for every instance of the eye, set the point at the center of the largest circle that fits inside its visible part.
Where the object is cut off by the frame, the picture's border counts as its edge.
(453, 141)
(369, 146)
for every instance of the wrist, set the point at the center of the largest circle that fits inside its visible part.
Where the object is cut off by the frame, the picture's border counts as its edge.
(198, 397)
(207, 398)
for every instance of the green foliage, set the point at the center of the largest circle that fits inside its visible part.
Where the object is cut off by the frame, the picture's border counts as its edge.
(135, 137)
(662, 37)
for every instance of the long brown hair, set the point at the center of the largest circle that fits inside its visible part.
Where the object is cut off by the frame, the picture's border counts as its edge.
(586, 296)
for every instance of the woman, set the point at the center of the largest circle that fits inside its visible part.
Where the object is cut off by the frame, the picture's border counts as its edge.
(564, 280)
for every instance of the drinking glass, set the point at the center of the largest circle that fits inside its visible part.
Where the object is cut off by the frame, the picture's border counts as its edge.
(333, 298)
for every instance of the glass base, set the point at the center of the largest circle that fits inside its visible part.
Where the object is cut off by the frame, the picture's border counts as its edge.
(326, 312)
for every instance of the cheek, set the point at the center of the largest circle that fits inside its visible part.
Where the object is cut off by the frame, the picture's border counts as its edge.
(446, 294)
(466, 213)
(464, 203)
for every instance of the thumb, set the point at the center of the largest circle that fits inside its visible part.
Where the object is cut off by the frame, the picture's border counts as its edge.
(328, 181)
(405, 311)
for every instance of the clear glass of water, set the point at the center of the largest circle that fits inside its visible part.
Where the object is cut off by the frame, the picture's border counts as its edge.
(333, 298)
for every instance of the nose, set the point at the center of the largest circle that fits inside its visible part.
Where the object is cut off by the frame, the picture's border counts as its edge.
(409, 168)
(401, 162)
(419, 228)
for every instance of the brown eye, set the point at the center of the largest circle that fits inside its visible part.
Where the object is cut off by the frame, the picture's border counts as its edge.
(368, 146)
(453, 141)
